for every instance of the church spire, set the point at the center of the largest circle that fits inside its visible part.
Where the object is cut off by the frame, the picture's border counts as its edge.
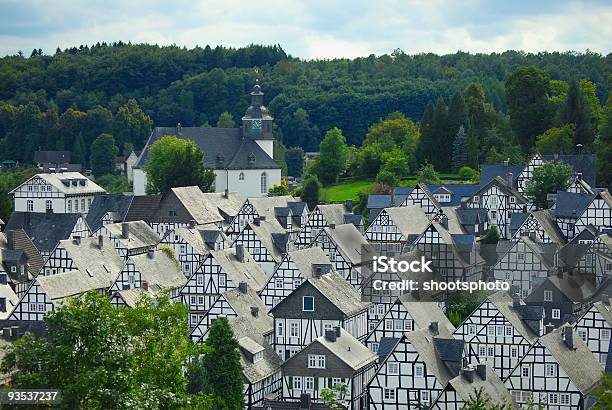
(257, 122)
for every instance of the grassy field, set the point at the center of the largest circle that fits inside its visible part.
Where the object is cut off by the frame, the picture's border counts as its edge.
(350, 190)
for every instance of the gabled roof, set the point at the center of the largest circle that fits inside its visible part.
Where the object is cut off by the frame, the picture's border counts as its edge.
(457, 191)
(503, 303)
(424, 313)
(70, 183)
(72, 283)
(577, 288)
(354, 219)
(493, 388)
(229, 205)
(44, 229)
(348, 349)
(306, 259)
(24, 243)
(192, 199)
(272, 236)
(349, 241)
(264, 206)
(87, 255)
(159, 269)
(333, 213)
(571, 204)
(140, 234)
(199, 238)
(581, 163)
(385, 346)
(410, 220)
(339, 292)
(143, 207)
(579, 363)
(224, 148)
(489, 172)
(472, 216)
(502, 185)
(246, 271)
(103, 204)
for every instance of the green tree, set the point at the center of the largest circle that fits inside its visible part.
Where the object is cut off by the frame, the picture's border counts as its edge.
(492, 236)
(460, 151)
(175, 162)
(457, 114)
(103, 154)
(295, 161)
(428, 175)
(279, 153)
(604, 393)
(473, 148)
(334, 397)
(395, 162)
(527, 92)
(396, 128)
(603, 146)
(78, 150)
(549, 178)
(131, 124)
(298, 130)
(71, 124)
(113, 184)
(226, 120)
(581, 108)
(442, 140)
(480, 401)
(426, 149)
(332, 156)
(469, 174)
(9, 180)
(223, 376)
(556, 140)
(280, 190)
(311, 189)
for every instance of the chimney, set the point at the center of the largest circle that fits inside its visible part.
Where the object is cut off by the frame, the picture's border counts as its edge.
(468, 373)
(256, 220)
(516, 300)
(242, 287)
(178, 128)
(125, 230)
(3, 279)
(433, 328)
(330, 335)
(509, 178)
(226, 193)
(317, 271)
(100, 241)
(332, 226)
(507, 162)
(568, 337)
(145, 285)
(262, 218)
(579, 176)
(605, 299)
(192, 224)
(392, 197)
(240, 252)
(337, 330)
(151, 253)
(305, 401)
(10, 240)
(76, 239)
(349, 205)
(254, 311)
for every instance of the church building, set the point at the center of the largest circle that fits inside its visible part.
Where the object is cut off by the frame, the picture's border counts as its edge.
(242, 158)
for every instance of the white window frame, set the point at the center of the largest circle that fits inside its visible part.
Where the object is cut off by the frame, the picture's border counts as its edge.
(548, 296)
(392, 369)
(556, 313)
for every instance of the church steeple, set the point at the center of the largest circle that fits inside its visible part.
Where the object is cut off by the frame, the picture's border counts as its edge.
(257, 122)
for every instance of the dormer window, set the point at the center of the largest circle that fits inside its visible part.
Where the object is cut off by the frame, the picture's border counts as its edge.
(257, 357)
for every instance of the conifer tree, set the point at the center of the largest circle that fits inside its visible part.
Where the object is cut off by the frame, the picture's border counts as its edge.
(78, 151)
(460, 155)
(472, 145)
(426, 148)
(441, 137)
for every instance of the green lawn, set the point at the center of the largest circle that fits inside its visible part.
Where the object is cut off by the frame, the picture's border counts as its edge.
(350, 190)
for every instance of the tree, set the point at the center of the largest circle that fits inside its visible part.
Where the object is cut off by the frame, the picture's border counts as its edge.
(396, 128)
(103, 155)
(428, 175)
(332, 156)
(131, 124)
(492, 236)
(387, 178)
(280, 190)
(460, 153)
(113, 184)
(441, 139)
(527, 90)
(334, 396)
(78, 150)
(311, 189)
(298, 131)
(394, 163)
(279, 154)
(295, 161)
(71, 124)
(556, 140)
(226, 120)
(604, 393)
(457, 114)
(547, 179)
(223, 376)
(426, 149)
(480, 401)
(603, 146)
(581, 109)
(175, 162)
(469, 174)
(473, 148)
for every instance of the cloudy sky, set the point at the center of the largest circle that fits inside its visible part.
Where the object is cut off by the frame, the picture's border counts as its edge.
(313, 28)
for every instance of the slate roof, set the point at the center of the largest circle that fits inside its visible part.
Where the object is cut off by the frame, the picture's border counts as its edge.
(333, 213)
(503, 303)
(64, 182)
(517, 219)
(489, 172)
(23, 242)
(72, 283)
(44, 229)
(42, 157)
(229, 205)
(192, 198)
(385, 346)
(577, 288)
(423, 313)
(472, 216)
(379, 201)
(410, 220)
(272, 236)
(349, 241)
(247, 271)
(581, 163)
(457, 191)
(143, 207)
(579, 363)
(571, 204)
(119, 205)
(224, 148)
(492, 387)
(354, 219)
(339, 292)
(304, 259)
(200, 239)
(348, 349)
(140, 235)
(265, 205)
(159, 269)
(87, 255)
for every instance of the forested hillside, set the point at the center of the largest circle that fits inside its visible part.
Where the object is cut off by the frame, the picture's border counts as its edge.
(67, 99)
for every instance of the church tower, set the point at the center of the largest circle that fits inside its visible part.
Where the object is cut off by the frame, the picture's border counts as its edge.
(257, 122)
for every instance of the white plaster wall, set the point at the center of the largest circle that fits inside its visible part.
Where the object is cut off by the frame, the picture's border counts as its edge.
(140, 181)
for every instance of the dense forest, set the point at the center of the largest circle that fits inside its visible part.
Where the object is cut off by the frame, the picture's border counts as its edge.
(66, 100)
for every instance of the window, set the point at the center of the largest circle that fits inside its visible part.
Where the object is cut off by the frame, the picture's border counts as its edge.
(490, 351)
(30, 205)
(296, 283)
(200, 280)
(49, 205)
(565, 398)
(171, 213)
(471, 329)
(374, 347)
(279, 329)
(392, 369)
(548, 297)
(241, 177)
(520, 256)
(192, 300)
(513, 352)
(388, 324)
(508, 330)
(389, 394)
(308, 304)
(41, 307)
(398, 324)
(316, 361)
(82, 204)
(553, 398)
(76, 205)
(605, 334)
(14, 269)
(131, 279)
(69, 206)
(221, 281)
(493, 214)
(201, 300)
(294, 329)
(186, 267)
(425, 396)
(512, 199)
(418, 370)
(475, 198)
(550, 370)
(297, 382)
(264, 183)
(309, 383)
(583, 334)
(335, 381)
(556, 314)
(490, 330)
(525, 372)
(482, 351)
(408, 325)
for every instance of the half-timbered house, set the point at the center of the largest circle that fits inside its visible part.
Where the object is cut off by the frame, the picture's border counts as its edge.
(220, 271)
(256, 208)
(329, 360)
(422, 196)
(191, 245)
(267, 242)
(540, 225)
(568, 207)
(20, 259)
(595, 329)
(558, 371)
(318, 304)
(108, 209)
(416, 370)
(500, 331)
(45, 230)
(130, 238)
(394, 227)
(348, 250)
(598, 214)
(322, 216)
(462, 389)
(227, 203)
(296, 267)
